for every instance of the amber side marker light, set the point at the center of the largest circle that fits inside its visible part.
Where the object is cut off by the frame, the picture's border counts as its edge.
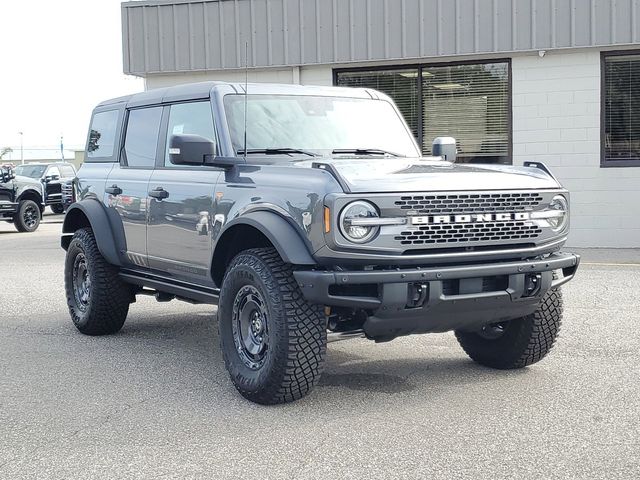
(327, 220)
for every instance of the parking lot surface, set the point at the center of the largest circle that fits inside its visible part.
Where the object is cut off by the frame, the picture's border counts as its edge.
(155, 401)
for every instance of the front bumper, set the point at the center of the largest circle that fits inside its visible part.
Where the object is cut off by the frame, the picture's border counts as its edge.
(8, 209)
(457, 297)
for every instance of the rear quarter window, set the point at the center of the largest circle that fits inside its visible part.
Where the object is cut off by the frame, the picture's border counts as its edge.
(102, 134)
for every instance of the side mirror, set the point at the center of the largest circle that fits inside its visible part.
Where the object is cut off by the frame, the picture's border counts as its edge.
(190, 149)
(187, 149)
(445, 147)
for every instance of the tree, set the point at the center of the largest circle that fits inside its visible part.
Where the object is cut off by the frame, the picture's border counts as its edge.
(4, 151)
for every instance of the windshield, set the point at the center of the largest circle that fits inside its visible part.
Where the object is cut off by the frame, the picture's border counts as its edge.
(33, 171)
(318, 124)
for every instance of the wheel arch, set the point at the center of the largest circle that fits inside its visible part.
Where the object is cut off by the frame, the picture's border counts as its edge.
(90, 213)
(31, 194)
(255, 230)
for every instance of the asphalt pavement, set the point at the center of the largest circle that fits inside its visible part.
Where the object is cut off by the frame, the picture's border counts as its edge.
(155, 401)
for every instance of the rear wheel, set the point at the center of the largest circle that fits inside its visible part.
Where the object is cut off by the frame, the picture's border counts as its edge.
(27, 218)
(516, 343)
(97, 298)
(57, 208)
(273, 341)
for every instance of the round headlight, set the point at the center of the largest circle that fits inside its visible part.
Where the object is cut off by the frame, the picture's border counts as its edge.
(560, 205)
(349, 217)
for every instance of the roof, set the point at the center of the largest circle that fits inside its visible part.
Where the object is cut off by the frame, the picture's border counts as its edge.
(202, 90)
(163, 36)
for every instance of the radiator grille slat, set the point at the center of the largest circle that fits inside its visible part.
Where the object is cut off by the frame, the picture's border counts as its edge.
(469, 203)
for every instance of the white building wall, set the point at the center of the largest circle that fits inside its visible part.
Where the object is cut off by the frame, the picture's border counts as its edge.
(556, 120)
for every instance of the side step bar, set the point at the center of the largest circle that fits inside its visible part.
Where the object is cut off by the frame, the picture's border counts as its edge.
(185, 290)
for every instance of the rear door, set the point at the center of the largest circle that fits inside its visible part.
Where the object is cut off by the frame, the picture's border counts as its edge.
(127, 185)
(180, 224)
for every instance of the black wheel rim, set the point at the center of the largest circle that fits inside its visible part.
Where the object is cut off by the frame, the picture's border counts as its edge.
(493, 331)
(250, 321)
(81, 282)
(30, 216)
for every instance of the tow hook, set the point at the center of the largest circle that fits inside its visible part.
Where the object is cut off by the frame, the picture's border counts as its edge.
(417, 294)
(532, 284)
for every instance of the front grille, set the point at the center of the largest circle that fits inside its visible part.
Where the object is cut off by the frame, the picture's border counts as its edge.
(470, 203)
(468, 232)
(67, 192)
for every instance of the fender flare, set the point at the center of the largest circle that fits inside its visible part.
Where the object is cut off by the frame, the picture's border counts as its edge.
(283, 236)
(98, 219)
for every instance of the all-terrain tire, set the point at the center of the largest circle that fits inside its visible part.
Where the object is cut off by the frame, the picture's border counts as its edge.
(102, 307)
(28, 216)
(525, 340)
(58, 208)
(292, 361)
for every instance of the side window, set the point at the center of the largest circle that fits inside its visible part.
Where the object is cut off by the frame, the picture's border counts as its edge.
(53, 171)
(67, 171)
(102, 134)
(141, 139)
(189, 118)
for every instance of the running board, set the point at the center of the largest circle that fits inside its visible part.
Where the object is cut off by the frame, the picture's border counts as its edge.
(184, 290)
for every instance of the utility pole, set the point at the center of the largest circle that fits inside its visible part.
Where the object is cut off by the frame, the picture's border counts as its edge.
(21, 148)
(61, 148)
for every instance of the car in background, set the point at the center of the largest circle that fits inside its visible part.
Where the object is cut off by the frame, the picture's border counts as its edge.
(21, 200)
(53, 176)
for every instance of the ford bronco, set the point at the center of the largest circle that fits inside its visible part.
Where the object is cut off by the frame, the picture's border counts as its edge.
(306, 210)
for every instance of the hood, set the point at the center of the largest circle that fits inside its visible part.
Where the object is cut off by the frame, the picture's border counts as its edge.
(373, 175)
(26, 180)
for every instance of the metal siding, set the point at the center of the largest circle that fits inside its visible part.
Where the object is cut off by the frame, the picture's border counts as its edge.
(195, 35)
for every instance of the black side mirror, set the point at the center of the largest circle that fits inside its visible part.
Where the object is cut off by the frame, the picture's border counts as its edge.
(187, 149)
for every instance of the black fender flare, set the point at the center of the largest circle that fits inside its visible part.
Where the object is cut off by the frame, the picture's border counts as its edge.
(282, 235)
(98, 219)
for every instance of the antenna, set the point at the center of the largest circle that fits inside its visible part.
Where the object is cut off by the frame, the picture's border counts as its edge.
(246, 95)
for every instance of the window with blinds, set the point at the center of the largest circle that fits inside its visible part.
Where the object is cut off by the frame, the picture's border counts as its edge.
(470, 102)
(401, 85)
(621, 110)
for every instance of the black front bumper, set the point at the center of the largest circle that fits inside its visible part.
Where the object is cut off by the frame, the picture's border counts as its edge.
(457, 297)
(8, 209)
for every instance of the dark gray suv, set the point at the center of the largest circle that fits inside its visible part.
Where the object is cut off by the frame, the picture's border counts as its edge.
(306, 210)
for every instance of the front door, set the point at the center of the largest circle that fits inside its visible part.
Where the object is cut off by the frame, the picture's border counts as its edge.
(181, 217)
(127, 187)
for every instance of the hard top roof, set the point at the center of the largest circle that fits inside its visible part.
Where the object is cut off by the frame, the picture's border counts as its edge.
(201, 90)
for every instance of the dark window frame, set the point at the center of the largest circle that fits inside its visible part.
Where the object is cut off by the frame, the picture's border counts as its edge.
(604, 163)
(420, 67)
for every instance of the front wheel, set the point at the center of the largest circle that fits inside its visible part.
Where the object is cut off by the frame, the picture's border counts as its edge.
(58, 208)
(516, 343)
(27, 218)
(273, 341)
(97, 297)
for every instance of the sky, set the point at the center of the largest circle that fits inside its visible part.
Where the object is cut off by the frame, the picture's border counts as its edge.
(59, 58)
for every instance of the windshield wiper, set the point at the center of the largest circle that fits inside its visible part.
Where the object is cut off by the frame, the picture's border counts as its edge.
(277, 151)
(364, 151)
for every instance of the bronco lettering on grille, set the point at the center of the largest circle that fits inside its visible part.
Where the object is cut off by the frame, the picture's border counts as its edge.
(469, 218)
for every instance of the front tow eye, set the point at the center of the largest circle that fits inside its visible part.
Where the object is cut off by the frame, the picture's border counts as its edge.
(417, 294)
(532, 284)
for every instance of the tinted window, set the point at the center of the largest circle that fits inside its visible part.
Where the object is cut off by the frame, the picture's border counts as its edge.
(621, 122)
(102, 134)
(189, 118)
(141, 138)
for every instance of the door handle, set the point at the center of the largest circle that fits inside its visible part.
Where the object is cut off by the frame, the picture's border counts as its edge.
(113, 190)
(159, 193)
